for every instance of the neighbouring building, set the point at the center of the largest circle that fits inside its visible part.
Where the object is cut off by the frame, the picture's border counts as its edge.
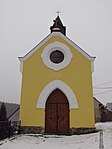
(56, 92)
(97, 110)
(102, 112)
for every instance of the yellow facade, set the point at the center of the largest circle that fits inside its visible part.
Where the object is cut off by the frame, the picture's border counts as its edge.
(77, 75)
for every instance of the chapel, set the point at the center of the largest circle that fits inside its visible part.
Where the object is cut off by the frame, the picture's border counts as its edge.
(56, 90)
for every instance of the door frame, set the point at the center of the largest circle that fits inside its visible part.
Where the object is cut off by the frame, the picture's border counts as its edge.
(47, 90)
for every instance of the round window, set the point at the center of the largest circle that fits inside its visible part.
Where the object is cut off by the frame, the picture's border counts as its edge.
(56, 56)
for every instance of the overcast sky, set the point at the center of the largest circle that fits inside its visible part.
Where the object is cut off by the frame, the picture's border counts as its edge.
(24, 23)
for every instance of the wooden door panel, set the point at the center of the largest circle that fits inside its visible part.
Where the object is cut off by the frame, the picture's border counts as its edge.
(51, 119)
(63, 118)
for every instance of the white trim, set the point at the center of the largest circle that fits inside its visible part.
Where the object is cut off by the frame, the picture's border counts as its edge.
(52, 86)
(21, 66)
(52, 47)
(92, 66)
(62, 36)
(56, 29)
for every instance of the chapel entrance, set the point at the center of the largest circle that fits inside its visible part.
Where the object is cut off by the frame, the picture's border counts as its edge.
(57, 113)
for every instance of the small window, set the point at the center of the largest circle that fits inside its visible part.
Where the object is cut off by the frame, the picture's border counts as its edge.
(57, 56)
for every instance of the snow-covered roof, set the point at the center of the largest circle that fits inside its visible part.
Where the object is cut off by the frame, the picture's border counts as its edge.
(102, 105)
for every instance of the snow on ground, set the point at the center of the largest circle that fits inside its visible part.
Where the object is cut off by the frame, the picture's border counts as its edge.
(87, 141)
(107, 134)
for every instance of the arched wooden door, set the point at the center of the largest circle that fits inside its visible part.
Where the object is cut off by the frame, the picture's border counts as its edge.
(57, 113)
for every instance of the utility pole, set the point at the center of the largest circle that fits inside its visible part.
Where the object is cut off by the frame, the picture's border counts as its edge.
(101, 146)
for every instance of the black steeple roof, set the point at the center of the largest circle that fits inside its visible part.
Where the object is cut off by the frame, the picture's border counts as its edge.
(58, 26)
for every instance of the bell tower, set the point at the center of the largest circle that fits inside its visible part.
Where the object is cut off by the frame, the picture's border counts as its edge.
(58, 26)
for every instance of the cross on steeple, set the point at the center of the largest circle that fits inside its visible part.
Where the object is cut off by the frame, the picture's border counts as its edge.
(58, 12)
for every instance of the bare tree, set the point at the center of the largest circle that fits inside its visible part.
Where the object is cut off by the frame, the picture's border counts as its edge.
(3, 113)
